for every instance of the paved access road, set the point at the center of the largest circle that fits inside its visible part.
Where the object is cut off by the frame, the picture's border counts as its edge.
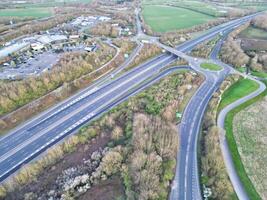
(235, 180)
(29, 140)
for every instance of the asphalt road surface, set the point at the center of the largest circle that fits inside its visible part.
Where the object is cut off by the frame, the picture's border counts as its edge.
(34, 137)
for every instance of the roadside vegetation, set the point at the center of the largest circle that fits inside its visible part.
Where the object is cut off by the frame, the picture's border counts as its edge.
(34, 27)
(135, 145)
(239, 89)
(74, 71)
(210, 66)
(214, 174)
(148, 51)
(204, 49)
(247, 46)
(213, 171)
(232, 52)
(237, 150)
(259, 74)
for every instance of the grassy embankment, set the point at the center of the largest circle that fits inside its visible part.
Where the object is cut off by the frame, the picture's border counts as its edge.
(241, 88)
(124, 127)
(166, 18)
(238, 90)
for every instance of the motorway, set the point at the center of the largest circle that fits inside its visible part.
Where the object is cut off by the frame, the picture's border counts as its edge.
(186, 182)
(34, 137)
(21, 145)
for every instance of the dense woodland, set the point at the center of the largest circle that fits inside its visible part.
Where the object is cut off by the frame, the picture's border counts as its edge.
(142, 143)
(70, 67)
(214, 174)
(233, 54)
(36, 104)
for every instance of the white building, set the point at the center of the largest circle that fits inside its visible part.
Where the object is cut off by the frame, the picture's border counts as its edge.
(48, 39)
(37, 46)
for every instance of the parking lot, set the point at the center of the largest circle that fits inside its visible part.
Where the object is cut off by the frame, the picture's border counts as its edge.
(34, 66)
(35, 54)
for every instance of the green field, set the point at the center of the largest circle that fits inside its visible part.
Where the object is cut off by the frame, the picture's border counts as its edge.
(259, 74)
(165, 18)
(253, 33)
(50, 3)
(210, 66)
(249, 187)
(27, 12)
(199, 6)
(241, 88)
(258, 7)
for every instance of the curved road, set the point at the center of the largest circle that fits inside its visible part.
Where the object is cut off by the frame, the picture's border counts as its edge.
(235, 180)
(34, 137)
(237, 184)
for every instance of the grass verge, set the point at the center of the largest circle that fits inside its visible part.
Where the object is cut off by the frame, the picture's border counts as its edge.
(259, 74)
(241, 88)
(249, 187)
(210, 66)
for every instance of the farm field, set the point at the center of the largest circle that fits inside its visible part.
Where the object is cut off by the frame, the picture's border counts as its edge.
(250, 132)
(228, 97)
(258, 7)
(27, 12)
(166, 18)
(241, 88)
(197, 6)
(253, 33)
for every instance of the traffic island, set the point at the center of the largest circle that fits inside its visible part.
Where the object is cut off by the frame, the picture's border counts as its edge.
(210, 66)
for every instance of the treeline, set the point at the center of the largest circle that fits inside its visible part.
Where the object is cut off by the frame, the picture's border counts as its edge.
(105, 29)
(10, 120)
(151, 164)
(70, 67)
(177, 37)
(142, 150)
(148, 51)
(237, 12)
(6, 20)
(36, 27)
(260, 21)
(204, 49)
(213, 170)
(232, 52)
(122, 18)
